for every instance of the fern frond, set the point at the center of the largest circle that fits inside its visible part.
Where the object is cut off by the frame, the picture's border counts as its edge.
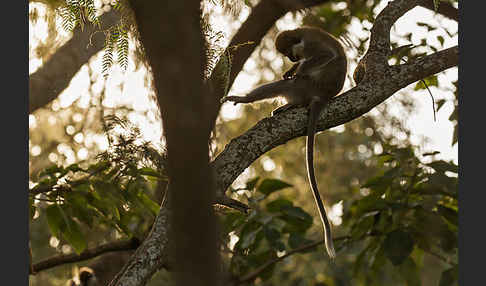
(122, 48)
(110, 42)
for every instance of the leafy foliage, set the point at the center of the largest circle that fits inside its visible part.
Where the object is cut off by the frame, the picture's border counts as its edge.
(78, 12)
(116, 41)
(113, 191)
(272, 226)
(410, 208)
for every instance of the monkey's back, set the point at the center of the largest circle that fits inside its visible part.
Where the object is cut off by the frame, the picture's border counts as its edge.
(321, 44)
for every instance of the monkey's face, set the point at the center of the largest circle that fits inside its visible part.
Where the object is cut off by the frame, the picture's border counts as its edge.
(288, 44)
(87, 277)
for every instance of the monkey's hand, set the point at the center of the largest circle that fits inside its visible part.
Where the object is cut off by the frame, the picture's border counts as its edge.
(235, 99)
(288, 75)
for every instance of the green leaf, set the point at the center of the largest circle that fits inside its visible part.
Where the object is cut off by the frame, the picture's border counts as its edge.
(278, 204)
(443, 166)
(449, 214)
(430, 81)
(297, 219)
(298, 213)
(250, 185)
(370, 203)
(273, 237)
(150, 172)
(384, 222)
(232, 220)
(79, 206)
(429, 27)
(75, 237)
(442, 182)
(432, 230)
(380, 184)
(385, 158)
(398, 245)
(296, 240)
(55, 220)
(150, 204)
(440, 39)
(362, 227)
(249, 238)
(260, 258)
(74, 168)
(51, 171)
(269, 186)
(449, 277)
(367, 255)
(410, 272)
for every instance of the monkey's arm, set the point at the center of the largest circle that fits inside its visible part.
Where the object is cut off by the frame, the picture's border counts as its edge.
(314, 66)
(290, 73)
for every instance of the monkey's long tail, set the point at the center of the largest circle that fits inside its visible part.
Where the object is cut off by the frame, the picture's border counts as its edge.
(314, 111)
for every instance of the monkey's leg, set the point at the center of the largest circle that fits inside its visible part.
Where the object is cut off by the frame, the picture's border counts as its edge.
(265, 91)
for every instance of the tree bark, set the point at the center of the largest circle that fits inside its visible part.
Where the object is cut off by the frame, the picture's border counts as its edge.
(174, 44)
(379, 82)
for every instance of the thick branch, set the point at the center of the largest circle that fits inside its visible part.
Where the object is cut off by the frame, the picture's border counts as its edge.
(87, 254)
(380, 33)
(171, 35)
(277, 130)
(445, 9)
(54, 76)
(149, 257)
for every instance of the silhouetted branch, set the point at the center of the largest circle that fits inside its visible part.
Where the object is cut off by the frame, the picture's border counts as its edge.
(87, 254)
(56, 73)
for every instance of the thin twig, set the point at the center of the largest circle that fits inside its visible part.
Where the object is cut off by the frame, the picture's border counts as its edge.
(87, 254)
(256, 272)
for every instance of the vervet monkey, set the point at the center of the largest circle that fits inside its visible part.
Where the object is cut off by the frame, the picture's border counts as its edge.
(86, 277)
(317, 76)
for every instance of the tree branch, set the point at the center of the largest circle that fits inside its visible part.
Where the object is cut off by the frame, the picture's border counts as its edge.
(273, 131)
(252, 275)
(379, 82)
(149, 257)
(87, 254)
(55, 74)
(445, 9)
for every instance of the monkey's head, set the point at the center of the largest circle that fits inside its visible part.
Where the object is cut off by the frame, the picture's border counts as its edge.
(86, 276)
(289, 44)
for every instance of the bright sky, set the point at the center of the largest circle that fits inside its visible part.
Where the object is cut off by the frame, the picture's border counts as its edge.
(128, 87)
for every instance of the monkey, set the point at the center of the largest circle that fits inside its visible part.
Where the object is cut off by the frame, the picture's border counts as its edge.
(86, 277)
(316, 77)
